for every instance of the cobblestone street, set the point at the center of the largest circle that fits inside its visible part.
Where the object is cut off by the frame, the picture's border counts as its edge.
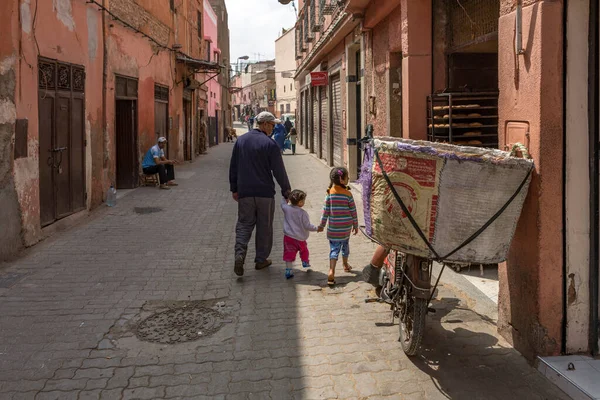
(71, 307)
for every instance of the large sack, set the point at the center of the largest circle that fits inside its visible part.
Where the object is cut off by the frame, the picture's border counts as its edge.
(451, 192)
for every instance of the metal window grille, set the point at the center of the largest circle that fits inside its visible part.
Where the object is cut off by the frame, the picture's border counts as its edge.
(472, 20)
(328, 6)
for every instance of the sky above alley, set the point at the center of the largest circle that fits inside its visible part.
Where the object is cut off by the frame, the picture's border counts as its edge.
(254, 26)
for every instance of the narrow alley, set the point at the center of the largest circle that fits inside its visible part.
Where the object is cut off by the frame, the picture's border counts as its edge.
(74, 312)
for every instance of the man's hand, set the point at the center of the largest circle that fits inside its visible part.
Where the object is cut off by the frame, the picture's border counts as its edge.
(320, 229)
(355, 230)
(235, 196)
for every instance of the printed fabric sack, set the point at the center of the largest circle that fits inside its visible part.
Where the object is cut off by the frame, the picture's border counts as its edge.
(466, 201)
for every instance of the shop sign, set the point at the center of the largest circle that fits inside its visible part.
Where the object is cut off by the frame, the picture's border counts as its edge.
(319, 78)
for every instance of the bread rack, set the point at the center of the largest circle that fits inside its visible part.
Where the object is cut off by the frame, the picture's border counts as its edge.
(463, 118)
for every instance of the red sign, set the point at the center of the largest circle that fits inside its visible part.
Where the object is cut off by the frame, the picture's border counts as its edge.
(319, 78)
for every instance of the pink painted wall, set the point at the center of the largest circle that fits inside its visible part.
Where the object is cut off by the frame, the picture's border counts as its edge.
(211, 32)
(56, 38)
(531, 281)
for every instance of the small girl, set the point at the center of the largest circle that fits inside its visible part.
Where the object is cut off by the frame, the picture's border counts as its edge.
(340, 210)
(296, 229)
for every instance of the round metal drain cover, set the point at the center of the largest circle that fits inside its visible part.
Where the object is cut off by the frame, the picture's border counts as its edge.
(180, 325)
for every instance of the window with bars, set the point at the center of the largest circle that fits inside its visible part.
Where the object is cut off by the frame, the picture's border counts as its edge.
(199, 17)
(315, 21)
(327, 7)
(472, 21)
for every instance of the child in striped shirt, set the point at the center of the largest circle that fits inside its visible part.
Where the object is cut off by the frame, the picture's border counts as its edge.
(340, 211)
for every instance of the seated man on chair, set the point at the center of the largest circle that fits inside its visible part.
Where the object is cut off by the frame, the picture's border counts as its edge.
(155, 162)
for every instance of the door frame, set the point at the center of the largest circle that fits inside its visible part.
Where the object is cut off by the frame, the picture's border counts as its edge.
(130, 94)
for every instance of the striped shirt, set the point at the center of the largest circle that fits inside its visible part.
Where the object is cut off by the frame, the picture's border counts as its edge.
(340, 210)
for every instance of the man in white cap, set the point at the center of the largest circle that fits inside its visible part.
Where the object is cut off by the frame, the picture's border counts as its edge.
(256, 159)
(155, 162)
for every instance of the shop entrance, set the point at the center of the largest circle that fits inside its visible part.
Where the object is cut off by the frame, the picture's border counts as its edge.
(463, 107)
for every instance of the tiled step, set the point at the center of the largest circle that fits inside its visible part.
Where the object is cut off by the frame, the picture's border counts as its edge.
(577, 376)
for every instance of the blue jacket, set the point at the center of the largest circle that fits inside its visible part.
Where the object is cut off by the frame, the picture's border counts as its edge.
(279, 135)
(256, 159)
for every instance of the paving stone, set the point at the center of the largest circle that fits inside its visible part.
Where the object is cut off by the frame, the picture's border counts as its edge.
(187, 390)
(144, 393)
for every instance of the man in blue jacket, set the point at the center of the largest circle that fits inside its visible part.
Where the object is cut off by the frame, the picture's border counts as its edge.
(256, 159)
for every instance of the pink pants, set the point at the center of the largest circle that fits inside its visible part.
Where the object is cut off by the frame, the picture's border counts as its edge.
(291, 247)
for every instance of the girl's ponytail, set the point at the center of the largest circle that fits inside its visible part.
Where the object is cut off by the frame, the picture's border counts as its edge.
(335, 177)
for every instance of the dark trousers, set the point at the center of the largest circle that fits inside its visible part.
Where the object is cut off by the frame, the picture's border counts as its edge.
(255, 212)
(293, 149)
(166, 172)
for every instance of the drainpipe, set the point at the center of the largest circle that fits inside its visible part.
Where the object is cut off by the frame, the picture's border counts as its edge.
(563, 344)
(519, 29)
(593, 112)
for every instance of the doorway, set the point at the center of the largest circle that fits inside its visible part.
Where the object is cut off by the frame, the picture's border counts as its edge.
(61, 108)
(187, 126)
(335, 142)
(126, 137)
(126, 140)
(161, 111)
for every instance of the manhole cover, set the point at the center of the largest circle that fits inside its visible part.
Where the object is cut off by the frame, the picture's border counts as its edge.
(147, 210)
(180, 325)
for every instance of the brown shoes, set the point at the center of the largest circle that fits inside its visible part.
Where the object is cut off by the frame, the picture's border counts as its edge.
(263, 265)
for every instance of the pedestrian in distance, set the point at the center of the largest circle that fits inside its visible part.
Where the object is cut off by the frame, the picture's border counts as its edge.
(339, 212)
(255, 160)
(155, 162)
(296, 229)
(288, 125)
(293, 136)
(279, 136)
(250, 123)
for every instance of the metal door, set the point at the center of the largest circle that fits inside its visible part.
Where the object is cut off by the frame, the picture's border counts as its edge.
(323, 132)
(315, 146)
(336, 121)
(187, 127)
(212, 128)
(126, 135)
(61, 140)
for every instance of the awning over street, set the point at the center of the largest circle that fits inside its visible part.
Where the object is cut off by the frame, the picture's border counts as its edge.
(198, 65)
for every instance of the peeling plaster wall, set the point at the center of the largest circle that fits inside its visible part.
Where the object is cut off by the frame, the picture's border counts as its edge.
(56, 37)
(10, 214)
(531, 281)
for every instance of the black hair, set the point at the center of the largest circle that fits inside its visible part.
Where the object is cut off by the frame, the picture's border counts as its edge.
(336, 175)
(297, 196)
(293, 130)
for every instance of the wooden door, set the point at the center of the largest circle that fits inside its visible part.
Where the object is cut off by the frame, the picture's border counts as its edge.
(61, 113)
(126, 141)
(46, 157)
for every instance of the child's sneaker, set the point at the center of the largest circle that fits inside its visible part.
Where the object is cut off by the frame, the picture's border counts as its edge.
(289, 273)
(305, 264)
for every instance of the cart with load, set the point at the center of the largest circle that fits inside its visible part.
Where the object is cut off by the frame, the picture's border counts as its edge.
(427, 202)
